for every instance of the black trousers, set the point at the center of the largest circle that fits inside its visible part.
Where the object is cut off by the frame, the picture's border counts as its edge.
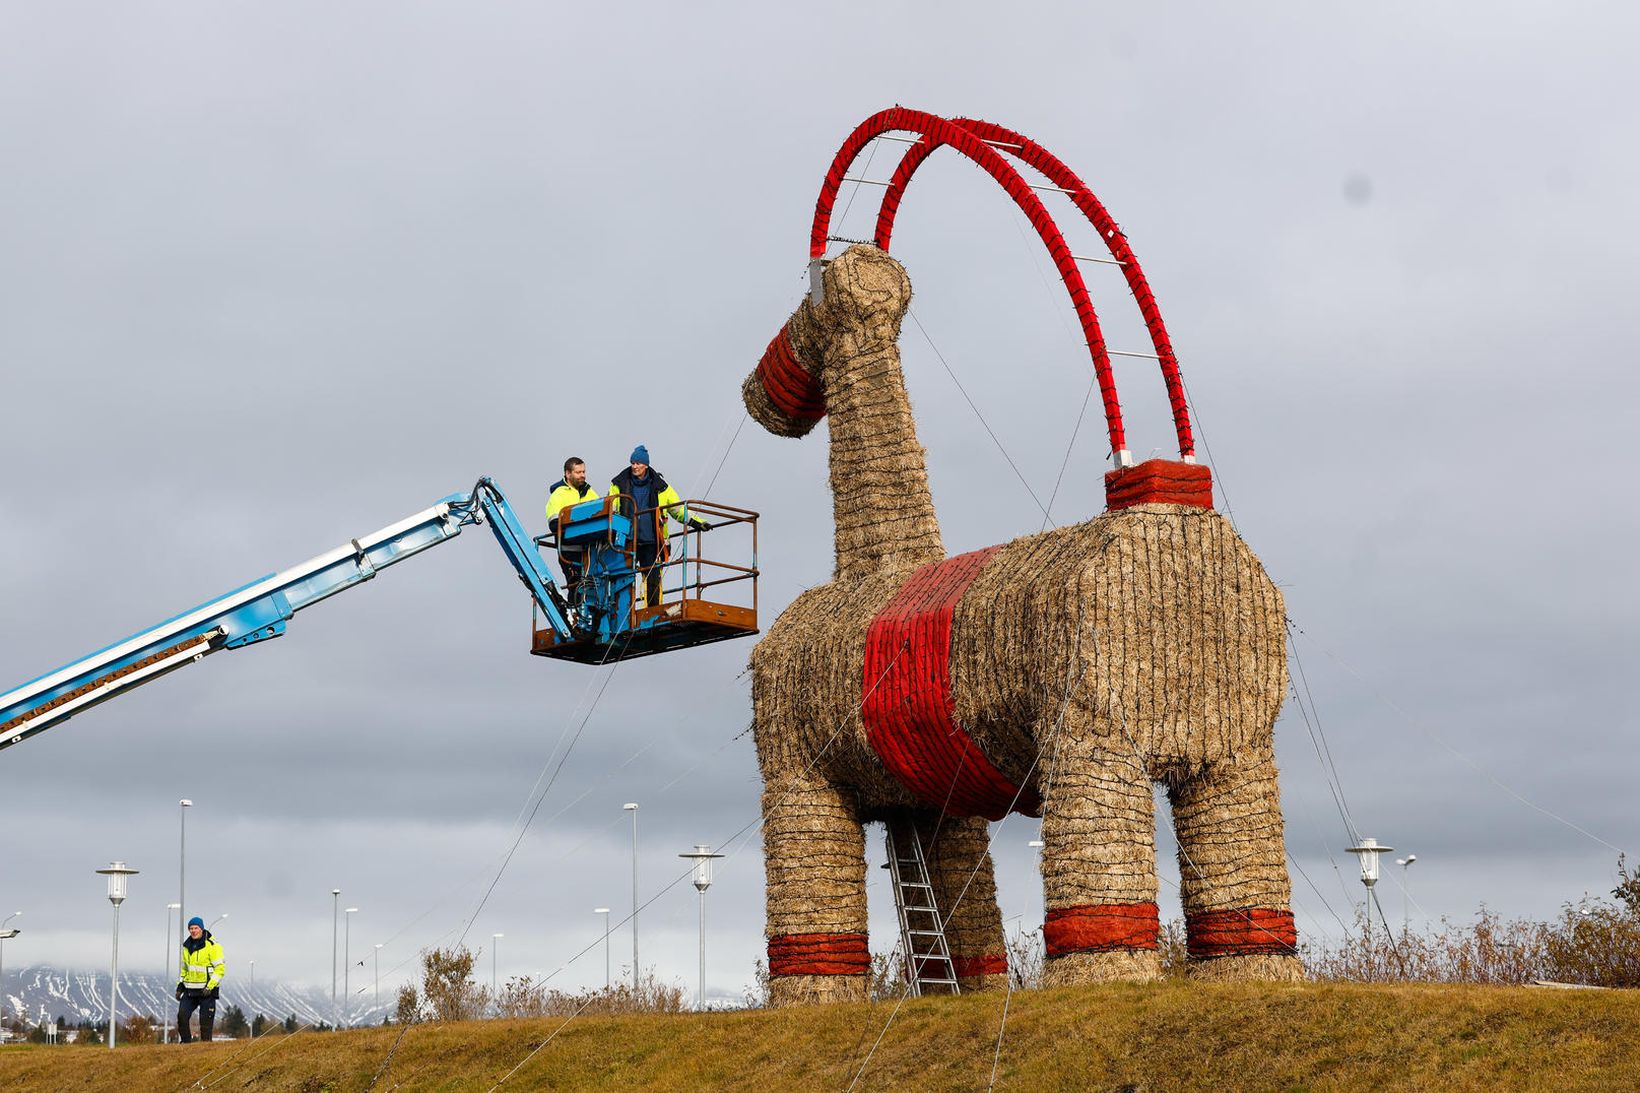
(647, 554)
(206, 1005)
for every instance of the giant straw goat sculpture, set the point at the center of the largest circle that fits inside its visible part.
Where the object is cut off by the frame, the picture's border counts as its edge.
(1059, 674)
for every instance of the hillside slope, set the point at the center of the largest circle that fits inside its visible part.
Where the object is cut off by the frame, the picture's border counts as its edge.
(1163, 1036)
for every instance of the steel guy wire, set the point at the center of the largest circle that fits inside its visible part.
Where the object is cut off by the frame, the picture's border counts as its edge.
(750, 826)
(1298, 661)
(987, 425)
(974, 872)
(1408, 718)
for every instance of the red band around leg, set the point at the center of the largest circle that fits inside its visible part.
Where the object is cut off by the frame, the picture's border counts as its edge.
(1245, 931)
(1101, 928)
(967, 967)
(819, 954)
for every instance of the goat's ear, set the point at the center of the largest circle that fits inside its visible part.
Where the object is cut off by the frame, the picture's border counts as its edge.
(781, 394)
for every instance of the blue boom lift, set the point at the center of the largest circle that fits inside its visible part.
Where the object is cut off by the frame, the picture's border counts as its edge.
(608, 621)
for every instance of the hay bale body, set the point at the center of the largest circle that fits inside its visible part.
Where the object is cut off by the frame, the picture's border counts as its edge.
(1085, 663)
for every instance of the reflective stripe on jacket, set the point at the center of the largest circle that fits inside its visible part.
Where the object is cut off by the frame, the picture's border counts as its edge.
(202, 968)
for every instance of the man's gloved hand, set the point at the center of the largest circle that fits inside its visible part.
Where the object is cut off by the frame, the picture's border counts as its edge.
(697, 524)
(214, 993)
(179, 992)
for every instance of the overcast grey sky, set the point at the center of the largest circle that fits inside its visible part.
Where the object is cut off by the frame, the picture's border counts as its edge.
(272, 276)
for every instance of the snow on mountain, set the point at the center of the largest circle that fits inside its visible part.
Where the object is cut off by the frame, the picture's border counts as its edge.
(81, 995)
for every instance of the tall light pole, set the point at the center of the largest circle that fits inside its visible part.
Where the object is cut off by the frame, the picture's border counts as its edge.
(495, 948)
(253, 973)
(335, 904)
(632, 807)
(703, 857)
(605, 912)
(169, 968)
(347, 962)
(118, 877)
(1406, 890)
(182, 862)
(378, 973)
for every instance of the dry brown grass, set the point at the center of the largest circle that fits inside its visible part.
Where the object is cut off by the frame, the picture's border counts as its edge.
(1167, 1035)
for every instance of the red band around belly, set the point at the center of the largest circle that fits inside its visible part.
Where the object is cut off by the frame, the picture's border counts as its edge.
(1101, 928)
(788, 384)
(1246, 931)
(907, 706)
(819, 954)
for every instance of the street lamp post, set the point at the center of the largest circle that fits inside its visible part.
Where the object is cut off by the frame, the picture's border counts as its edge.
(169, 968)
(218, 919)
(495, 948)
(703, 857)
(5, 933)
(605, 912)
(347, 962)
(632, 807)
(253, 973)
(182, 861)
(378, 973)
(1406, 888)
(335, 904)
(117, 874)
(1368, 852)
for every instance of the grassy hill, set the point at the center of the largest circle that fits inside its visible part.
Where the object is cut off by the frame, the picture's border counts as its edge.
(1163, 1036)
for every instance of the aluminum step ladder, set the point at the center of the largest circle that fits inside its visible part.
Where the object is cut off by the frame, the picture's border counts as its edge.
(928, 963)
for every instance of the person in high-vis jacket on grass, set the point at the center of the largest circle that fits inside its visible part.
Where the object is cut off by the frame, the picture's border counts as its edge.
(199, 981)
(651, 501)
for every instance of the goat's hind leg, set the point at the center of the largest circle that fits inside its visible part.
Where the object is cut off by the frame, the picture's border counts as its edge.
(1233, 872)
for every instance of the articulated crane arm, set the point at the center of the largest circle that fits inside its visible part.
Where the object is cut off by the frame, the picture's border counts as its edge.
(260, 610)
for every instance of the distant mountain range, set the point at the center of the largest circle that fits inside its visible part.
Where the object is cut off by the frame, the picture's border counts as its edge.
(80, 995)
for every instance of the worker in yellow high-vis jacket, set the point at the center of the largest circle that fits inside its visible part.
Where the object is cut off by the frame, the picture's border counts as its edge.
(199, 980)
(569, 490)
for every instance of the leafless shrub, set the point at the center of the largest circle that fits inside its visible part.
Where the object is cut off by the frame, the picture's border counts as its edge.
(1025, 956)
(523, 997)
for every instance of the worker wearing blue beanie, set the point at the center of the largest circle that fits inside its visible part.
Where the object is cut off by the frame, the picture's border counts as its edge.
(199, 980)
(649, 501)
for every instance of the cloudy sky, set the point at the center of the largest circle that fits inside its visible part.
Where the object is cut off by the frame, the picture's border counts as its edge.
(272, 277)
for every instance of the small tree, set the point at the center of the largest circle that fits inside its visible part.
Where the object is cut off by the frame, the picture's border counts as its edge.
(234, 1023)
(447, 984)
(290, 1023)
(137, 1029)
(409, 1007)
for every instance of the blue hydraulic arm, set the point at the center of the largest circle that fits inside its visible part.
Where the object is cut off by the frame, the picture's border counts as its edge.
(261, 609)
